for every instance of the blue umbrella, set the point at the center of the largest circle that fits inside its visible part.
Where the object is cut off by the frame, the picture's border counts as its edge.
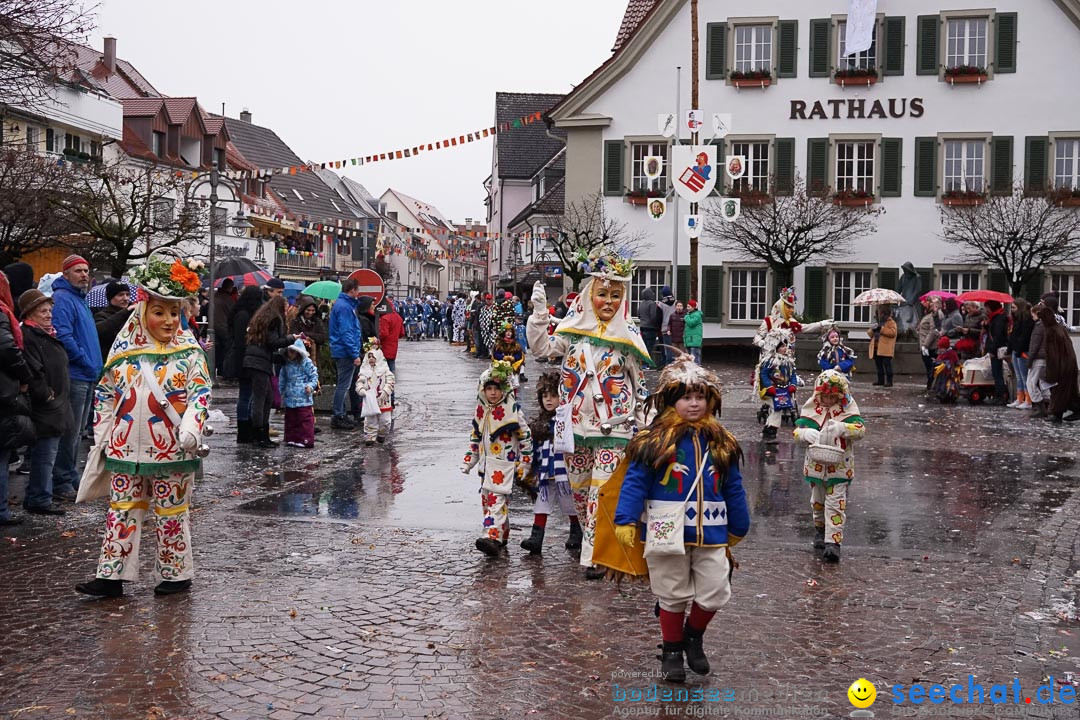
(96, 297)
(292, 289)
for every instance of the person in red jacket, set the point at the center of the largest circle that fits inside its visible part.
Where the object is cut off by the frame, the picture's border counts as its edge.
(391, 329)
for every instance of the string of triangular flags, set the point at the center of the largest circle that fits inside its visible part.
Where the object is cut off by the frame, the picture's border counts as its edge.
(406, 152)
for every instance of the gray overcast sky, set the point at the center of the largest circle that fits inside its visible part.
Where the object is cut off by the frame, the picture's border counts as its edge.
(336, 79)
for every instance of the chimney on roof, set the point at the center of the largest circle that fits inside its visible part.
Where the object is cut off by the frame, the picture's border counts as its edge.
(245, 116)
(468, 222)
(110, 54)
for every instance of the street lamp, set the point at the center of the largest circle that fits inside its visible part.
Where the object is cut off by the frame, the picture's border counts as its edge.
(239, 226)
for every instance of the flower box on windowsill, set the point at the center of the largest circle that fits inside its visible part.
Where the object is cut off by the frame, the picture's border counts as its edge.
(845, 200)
(966, 75)
(1073, 201)
(639, 200)
(965, 200)
(857, 80)
(742, 82)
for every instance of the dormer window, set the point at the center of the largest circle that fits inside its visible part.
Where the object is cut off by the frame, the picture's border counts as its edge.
(159, 144)
(298, 195)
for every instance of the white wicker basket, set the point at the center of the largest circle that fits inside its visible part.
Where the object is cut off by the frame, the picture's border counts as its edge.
(825, 454)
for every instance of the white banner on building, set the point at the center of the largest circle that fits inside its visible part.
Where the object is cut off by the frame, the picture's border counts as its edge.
(862, 16)
(692, 171)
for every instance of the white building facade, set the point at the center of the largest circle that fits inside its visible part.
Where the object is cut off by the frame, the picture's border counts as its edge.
(912, 135)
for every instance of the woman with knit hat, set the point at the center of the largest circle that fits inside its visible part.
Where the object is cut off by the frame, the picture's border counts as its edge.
(150, 410)
(602, 356)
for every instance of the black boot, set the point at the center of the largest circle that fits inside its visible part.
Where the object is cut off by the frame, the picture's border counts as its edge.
(262, 438)
(695, 650)
(832, 553)
(819, 538)
(491, 548)
(671, 662)
(169, 587)
(102, 588)
(243, 432)
(595, 572)
(535, 542)
(573, 542)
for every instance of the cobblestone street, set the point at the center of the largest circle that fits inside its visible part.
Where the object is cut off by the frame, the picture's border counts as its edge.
(343, 582)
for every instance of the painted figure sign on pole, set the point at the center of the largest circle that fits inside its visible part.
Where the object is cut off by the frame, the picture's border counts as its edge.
(665, 123)
(692, 225)
(692, 171)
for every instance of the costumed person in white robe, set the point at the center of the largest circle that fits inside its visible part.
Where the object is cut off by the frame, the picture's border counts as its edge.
(150, 409)
(782, 316)
(374, 374)
(603, 359)
(777, 379)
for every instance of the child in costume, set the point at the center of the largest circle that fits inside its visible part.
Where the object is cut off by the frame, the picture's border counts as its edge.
(948, 371)
(150, 407)
(685, 463)
(298, 380)
(507, 348)
(830, 418)
(374, 372)
(602, 357)
(502, 444)
(459, 321)
(835, 355)
(777, 379)
(549, 470)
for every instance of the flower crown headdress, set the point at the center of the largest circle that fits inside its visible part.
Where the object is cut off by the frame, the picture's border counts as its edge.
(173, 280)
(500, 372)
(788, 296)
(372, 343)
(833, 381)
(606, 265)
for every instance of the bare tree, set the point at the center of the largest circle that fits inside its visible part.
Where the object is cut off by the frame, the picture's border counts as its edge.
(789, 230)
(131, 211)
(30, 187)
(35, 46)
(1019, 233)
(585, 225)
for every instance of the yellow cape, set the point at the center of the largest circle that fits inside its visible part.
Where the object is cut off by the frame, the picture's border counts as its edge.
(607, 551)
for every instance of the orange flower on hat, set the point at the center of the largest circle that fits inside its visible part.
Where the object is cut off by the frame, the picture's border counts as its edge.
(187, 279)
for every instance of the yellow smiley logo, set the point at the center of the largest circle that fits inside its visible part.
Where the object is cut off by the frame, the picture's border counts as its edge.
(862, 693)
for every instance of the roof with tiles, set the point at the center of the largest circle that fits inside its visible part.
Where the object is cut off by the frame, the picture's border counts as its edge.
(524, 150)
(126, 82)
(635, 13)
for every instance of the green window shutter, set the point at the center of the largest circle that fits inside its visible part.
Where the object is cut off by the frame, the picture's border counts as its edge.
(815, 294)
(722, 180)
(613, 167)
(1005, 43)
(787, 62)
(1001, 164)
(925, 166)
(926, 280)
(892, 166)
(820, 52)
(927, 53)
(817, 164)
(1033, 288)
(784, 168)
(716, 51)
(712, 293)
(998, 281)
(682, 291)
(1036, 163)
(892, 62)
(888, 278)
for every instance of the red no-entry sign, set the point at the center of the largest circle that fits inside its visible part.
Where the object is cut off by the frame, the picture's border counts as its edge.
(371, 285)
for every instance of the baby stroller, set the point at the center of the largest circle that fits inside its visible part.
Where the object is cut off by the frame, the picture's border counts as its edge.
(977, 380)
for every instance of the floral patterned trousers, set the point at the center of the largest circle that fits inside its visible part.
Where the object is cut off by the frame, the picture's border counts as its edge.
(496, 518)
(588, 469)
(830, 509)
(129, 499)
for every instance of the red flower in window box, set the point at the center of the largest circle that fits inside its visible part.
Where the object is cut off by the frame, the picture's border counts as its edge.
(751, 78)
(853, 198)
(1066, 197)
(966, 74)
(856, 76)
(962, 198)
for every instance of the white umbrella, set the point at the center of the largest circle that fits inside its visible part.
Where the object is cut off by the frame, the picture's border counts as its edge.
(879, 296)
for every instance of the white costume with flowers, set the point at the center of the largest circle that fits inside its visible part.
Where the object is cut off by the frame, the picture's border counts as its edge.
(150, 455)
(376, 376)
(608, 408)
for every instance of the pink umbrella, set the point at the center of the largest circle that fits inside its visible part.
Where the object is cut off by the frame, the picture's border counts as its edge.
(943, 294)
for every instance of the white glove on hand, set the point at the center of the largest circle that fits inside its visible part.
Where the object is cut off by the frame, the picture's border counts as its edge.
(925, 352)
(811, 436)
(1002, 352)
(539, 297)
(188, 442)
(465, 469)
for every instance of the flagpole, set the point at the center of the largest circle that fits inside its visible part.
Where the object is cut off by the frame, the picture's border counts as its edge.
(675, 195)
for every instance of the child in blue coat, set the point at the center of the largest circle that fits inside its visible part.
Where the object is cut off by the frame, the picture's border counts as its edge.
(298, 380)
(684, 472)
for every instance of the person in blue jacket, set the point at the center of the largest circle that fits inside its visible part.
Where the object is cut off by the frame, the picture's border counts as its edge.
(75, 329)
(345, 349)
(687, 464)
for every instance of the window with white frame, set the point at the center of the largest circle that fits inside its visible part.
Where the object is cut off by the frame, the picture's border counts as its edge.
(855, 166)
(847, 284)
(966, 42)
(646, 277)
(640, 151)
(32, 138)
(959, 281)
(1067, 287)
(753, 48)
(1067, 163)
(866, 60)
(757, 166)
(747, 295)
(965, 166)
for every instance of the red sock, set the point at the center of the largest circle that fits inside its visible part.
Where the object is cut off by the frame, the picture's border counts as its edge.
(671, 626)
(540, 519)
(574, 520)
(699, 617)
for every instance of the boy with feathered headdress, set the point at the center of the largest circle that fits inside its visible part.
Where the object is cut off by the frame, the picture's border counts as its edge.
(551, 483)
(501, 444)
(687, 464)
(602, 356)
(829, 423)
